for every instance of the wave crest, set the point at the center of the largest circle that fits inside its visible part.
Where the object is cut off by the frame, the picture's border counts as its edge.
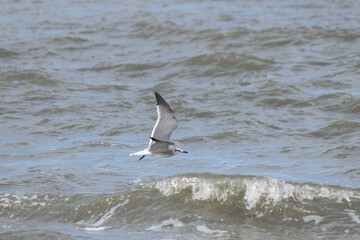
(249, 191)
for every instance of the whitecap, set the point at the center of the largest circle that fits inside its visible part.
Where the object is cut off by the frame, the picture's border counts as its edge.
(205, 229)
(97, 226)
(315, 218)
(170, 223)
(353, 216)
(265, 191)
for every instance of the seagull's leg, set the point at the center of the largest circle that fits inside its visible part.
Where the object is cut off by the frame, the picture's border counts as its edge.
(141, 157)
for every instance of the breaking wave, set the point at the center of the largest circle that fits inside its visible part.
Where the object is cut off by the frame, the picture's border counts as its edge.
(250, 191)
(195, 200)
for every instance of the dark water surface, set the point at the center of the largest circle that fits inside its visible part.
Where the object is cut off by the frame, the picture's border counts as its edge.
(267, 95)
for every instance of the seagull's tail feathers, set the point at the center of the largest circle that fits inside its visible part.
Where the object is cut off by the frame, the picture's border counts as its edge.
(140, 153)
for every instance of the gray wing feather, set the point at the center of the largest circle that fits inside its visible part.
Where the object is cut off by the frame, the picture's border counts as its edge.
(159, 147)
(166, 121)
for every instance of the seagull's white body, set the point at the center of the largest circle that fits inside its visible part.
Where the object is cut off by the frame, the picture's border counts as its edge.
(167, 151)
(160, 145)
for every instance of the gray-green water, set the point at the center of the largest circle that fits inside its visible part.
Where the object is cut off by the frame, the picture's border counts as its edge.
(267, 95)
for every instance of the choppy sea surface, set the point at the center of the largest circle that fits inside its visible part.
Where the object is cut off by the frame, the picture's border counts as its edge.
(267, 95)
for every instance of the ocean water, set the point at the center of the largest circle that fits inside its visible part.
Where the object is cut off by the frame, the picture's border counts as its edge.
(267, 95)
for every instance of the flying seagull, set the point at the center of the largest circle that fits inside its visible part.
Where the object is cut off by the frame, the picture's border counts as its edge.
(160, 145)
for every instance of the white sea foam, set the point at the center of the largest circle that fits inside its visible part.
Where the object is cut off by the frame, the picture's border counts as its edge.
(354, 216)
(109, 214)
(170, 223)
(315, 218)
(205, 229)
(93, 229)
(20, 200)
(256, 190)
(97, 226)
(201, 189)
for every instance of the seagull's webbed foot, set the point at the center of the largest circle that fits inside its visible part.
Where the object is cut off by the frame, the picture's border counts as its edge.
(141, 157)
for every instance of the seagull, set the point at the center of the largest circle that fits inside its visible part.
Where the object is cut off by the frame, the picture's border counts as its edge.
(160, 145)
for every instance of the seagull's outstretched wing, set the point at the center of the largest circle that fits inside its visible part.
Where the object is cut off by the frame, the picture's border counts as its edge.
(166, 121)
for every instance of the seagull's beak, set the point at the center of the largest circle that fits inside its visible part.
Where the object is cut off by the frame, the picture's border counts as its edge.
(179, 150)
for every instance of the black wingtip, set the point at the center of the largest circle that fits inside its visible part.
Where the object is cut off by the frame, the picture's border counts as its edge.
(159, 98)
(161, 101)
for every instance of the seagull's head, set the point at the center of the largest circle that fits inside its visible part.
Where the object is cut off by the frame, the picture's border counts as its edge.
(179, 150)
